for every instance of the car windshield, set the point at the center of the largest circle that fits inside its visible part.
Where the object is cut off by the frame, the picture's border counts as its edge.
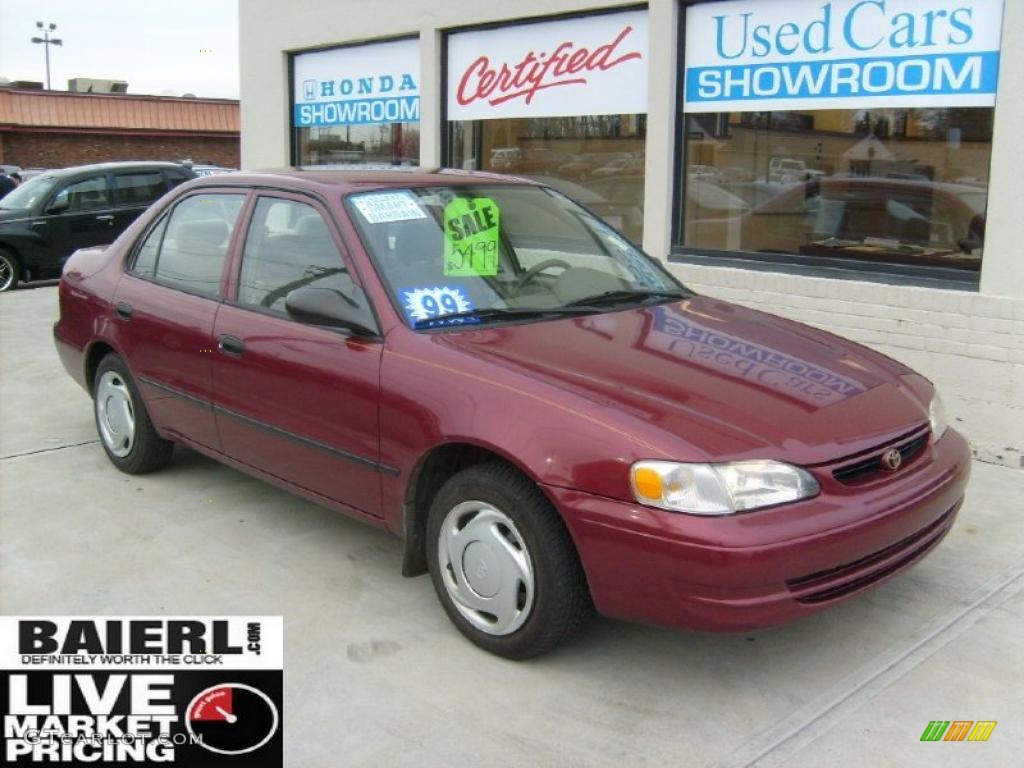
(28, 194)
(491, 253)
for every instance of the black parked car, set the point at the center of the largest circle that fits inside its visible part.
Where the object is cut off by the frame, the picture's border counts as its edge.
(49, 217)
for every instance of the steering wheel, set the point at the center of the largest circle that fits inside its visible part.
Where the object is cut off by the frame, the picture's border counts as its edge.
(535, 270)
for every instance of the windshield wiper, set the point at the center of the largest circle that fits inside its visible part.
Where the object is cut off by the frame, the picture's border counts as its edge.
(499, 313)
(615, 297)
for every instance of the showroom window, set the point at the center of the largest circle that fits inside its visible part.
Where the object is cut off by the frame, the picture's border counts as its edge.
(561, 101)
(357, 104)
(846, 134)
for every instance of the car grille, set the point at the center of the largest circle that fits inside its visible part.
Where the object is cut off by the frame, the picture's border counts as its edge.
(868, 466)
(860, 573)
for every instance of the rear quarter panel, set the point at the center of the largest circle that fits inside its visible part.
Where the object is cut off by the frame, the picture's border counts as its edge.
(86, 292)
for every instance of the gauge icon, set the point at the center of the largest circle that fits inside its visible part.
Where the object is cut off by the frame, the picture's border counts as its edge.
(232, 719)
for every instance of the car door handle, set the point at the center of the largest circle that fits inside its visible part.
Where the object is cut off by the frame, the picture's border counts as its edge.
(230, 345)
(107, 217)
(124, 311)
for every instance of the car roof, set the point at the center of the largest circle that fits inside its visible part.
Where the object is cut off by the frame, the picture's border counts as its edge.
(115, 166)
(353, 178)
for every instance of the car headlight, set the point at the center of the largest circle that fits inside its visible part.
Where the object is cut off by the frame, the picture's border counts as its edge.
(720, 489)
(937, 418)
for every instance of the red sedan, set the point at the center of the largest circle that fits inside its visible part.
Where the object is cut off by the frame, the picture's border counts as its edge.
(549, 420)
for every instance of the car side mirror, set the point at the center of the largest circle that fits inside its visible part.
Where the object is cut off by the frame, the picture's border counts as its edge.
(333, 308)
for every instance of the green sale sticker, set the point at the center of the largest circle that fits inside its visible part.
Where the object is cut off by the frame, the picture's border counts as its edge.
(471, 237)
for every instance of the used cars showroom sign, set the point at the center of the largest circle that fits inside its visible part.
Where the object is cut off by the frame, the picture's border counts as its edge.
(359, 84)
(843, 54)
(593, 65)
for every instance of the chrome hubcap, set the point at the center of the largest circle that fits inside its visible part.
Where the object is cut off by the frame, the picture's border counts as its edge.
(486, 567)
(115, 414)
(6, 273)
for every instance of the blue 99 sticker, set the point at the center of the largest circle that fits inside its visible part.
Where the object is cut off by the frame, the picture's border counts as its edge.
(423, 304)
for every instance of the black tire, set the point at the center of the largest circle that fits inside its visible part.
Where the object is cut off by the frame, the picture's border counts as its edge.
(149, 451)
(10, 271)
(561, 601)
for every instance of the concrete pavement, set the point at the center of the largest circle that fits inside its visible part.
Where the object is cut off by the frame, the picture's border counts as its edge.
(376, 676)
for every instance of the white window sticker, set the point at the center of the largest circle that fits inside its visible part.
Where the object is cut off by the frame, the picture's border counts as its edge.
(383, 207)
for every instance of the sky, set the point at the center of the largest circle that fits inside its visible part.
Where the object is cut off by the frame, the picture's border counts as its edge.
(169, 47)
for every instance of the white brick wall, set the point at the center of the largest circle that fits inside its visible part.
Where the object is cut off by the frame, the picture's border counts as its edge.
(970, 345)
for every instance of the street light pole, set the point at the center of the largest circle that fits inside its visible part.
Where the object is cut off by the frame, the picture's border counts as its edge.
(47, 41)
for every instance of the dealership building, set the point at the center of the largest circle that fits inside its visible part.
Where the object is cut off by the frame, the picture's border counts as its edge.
(851, 164)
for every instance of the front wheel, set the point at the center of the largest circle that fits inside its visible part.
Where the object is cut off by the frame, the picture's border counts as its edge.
(503, 565)
(10, 273)
(127, 434)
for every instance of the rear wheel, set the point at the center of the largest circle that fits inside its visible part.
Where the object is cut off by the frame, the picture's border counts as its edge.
(502, 563)
(127, 434)
(10, 272)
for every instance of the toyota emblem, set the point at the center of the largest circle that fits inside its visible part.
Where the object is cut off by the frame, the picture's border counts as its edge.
(892, 459)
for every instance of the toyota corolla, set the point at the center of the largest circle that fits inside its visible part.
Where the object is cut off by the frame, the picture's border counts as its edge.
(550, 421)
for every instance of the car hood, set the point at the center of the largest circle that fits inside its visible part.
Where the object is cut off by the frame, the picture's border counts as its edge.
(727, 381)
(18, 214)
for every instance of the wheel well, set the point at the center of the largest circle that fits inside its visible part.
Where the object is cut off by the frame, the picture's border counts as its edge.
(96, 352)
(13, 253)
(433, 471)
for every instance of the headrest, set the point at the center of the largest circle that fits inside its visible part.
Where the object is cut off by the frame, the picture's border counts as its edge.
(312, 226)
(202, 236)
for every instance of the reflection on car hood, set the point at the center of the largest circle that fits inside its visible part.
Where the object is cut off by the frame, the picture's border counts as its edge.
(8, 216)
(732, 382)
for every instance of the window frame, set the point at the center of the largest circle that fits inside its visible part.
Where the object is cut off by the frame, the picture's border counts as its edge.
(293, 136)
(80, 211)
(792, 264)
(230, 296)
(137, 246)
(237, 270)
(446, 143)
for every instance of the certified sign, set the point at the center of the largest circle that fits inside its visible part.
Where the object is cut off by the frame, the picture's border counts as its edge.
(841, 54)
(375, 83)
(593, 65)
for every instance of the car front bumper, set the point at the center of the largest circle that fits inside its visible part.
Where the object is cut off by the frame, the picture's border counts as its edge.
(769, 566)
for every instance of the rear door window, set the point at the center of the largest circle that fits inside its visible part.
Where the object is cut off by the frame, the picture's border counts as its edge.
(145, 257)
(195, 243)
(139, 188)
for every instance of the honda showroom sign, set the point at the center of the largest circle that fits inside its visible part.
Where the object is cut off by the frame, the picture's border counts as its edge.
(593, 65)
(374, 83)
(843, 54)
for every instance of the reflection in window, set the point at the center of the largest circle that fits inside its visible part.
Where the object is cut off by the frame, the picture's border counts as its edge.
(138, 188)
(196, 242)
(598, 160)
(288, 247)
(894, 186)
(84, 195)
(375, 143)
(145, 258)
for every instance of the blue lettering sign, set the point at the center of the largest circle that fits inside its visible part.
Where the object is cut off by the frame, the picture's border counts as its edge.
(397, 109)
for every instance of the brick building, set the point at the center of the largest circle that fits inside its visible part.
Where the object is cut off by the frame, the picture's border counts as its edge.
(55, 129)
